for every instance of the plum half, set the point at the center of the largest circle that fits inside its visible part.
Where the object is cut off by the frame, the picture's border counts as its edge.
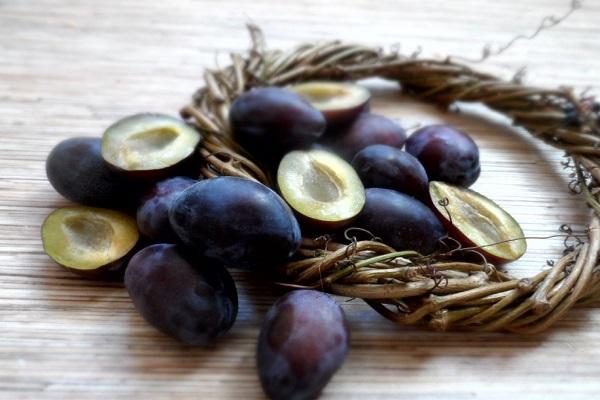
(150, 146)
(303, 342)
(93, 242)
(194, 300)
(340, 103)
(321, 187)
(475, 220)
(236, 221)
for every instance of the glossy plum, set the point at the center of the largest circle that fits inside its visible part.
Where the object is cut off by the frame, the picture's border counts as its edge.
(400, 221)
(303, 342)
(76, 170)
(368, 129)
(193, 300)
(153, 213)
(388, 167)
(236, 221)
(448, 155)
(269, 122)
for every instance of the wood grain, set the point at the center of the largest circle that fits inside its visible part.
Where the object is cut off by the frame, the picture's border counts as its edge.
(69, 68)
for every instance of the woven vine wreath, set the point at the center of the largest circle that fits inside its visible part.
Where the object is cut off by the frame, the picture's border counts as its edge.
(435, 291)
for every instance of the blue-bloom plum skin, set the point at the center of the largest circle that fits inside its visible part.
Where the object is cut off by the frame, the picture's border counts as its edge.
(366, 130)
(388, 167)
(400, 221)
(237, 221)
(76, 170)
(269, 122)
(448, 154)
(303, 342)
(191, 299)
(153, 213)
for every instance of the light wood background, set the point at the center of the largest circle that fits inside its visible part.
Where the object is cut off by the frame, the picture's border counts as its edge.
(70, 68)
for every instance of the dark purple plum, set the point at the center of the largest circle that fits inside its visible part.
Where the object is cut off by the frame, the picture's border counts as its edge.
(76, 170)
(193, 300)
(153, 212)
(269, 122)
(237, 221)
(303, 342)
(388, 167)
(368, 129)
(400, 221)
(448, 155)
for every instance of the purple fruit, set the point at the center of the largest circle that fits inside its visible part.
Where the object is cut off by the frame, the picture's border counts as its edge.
(303, 342)
(237, 221)
(368, 129)
(448, 155)
(153, 212)
(193, 300)
(388, 167)
(400, 221)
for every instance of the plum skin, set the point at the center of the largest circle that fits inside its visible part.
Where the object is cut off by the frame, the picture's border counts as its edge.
(191, 299)
(237, 221)
(400, 221)
(388, 167)
(366, 130)
(75, 169)
(303, 341)
(153, 213)
(270, 121)
(448, 154)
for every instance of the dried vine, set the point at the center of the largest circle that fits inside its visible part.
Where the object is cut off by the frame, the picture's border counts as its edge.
(405, 286)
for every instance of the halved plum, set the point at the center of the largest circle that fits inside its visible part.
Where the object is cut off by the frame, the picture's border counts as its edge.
(321, 187)
(475, 220)
(340, 103)
(150, 146)
(89, 241)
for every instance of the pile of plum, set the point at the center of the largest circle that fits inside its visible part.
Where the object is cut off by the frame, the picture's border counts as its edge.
(146, 217)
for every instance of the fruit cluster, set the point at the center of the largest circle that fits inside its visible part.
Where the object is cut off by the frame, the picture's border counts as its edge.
(146, 217)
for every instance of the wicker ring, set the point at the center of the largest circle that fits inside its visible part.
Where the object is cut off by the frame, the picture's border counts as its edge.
(404, 286)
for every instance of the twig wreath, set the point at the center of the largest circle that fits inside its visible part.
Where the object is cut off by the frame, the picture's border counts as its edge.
(407, 288)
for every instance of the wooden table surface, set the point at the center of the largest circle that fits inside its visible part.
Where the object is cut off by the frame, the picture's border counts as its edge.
(70, 68)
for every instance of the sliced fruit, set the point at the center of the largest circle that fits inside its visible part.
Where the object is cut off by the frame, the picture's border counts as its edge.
(90, 241)
(475, 220)
(340, 103)
(149, 145)
(321, 187)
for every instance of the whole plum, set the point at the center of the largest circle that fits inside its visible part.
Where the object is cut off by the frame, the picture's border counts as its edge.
(269, 122)
(153, 213)
(237, 221)
(400, 221)
(448, 155)
(303, 342)
(193, 300)
(388, 167)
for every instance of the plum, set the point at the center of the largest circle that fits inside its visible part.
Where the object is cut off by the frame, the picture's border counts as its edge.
(340, 102)
(237, 221)
(321, 187)
(153, 213)
(303, 342)
(89, 241)
(448, 155)
(75, 169)
(400, 221)
(270, 121)
(194, 300)
(151, 146)
(368, 129)
(388, 167)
